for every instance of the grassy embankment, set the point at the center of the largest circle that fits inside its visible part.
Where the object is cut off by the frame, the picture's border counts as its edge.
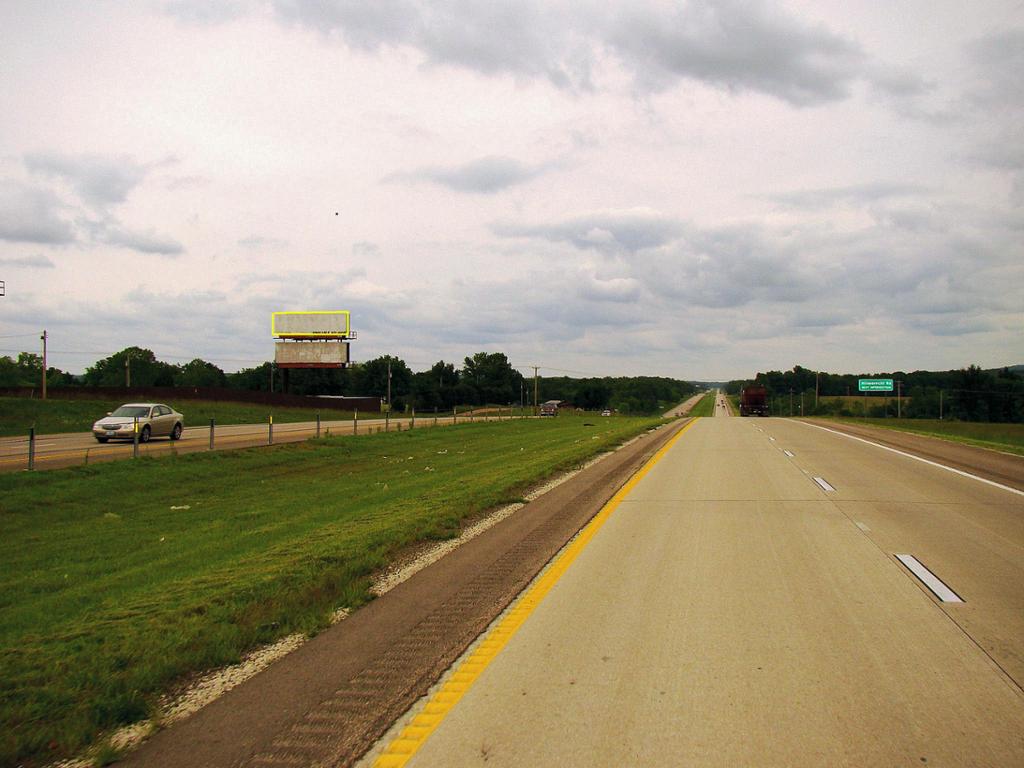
(17, 414)
(121, 578)
(705, 406)
(1001, 437)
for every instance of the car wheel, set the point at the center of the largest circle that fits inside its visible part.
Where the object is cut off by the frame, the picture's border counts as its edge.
(144, 434)
(100, 439)
(176, 432)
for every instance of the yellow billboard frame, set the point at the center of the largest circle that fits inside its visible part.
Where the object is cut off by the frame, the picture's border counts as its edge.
(345, 333)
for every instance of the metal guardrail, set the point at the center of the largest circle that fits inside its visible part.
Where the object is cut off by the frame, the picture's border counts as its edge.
(29, 451)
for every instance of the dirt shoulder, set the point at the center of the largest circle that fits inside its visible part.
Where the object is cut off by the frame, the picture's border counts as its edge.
(992, 465)
(332, 698)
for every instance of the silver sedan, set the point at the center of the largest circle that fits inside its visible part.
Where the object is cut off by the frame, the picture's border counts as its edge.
(152, 420)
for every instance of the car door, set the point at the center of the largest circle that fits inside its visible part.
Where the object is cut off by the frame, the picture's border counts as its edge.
(161, 417)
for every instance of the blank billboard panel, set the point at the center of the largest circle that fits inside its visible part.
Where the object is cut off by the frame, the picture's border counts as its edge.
(311, 354)
(310, 325)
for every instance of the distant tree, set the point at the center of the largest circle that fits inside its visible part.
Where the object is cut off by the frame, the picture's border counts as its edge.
(592, 396)
(317, 381)
(371, 378)
(436, 388)
(27, 371)
(10, 373)
(146, 370)
(199, 373)
(491, 378)
(256, 379)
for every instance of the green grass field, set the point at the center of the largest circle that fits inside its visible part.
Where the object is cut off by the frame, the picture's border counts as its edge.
(119, 579)
(1002, 437)
(705, 406)
(17, 414)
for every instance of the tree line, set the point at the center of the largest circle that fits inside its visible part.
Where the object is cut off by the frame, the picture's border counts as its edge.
(967, 394)
(482, 378)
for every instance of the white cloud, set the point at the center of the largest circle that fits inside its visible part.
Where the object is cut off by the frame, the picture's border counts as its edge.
(485, 175)
(32, 214)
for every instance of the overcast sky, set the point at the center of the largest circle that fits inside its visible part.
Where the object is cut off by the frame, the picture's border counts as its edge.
(692, 189)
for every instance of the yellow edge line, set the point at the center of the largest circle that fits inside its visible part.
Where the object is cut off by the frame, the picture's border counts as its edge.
(413, 736)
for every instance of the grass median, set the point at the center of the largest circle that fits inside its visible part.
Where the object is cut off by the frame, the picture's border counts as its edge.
(120, 579)
(705, 406)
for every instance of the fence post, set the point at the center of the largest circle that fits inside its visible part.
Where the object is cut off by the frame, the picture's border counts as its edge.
(318, 425)
(135, 439)
(455, 414)
(211, 434)
(270, 431)
(31, 448)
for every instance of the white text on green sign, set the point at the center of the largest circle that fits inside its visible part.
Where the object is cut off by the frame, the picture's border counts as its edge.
(874, 385)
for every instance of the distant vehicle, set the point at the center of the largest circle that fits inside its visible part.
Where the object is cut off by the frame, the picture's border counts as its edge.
(754, 401)
(155, 420)
(550, 408)
(606, 412)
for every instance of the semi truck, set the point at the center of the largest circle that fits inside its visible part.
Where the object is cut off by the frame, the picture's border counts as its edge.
(754, 400)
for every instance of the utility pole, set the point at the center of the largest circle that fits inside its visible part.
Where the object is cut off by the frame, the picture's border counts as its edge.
(790, 401)
(940, 405)
(899, 410)
(271, 377)
(43, 337)
(389, 384)
(817, 374)
(535, 388)
(128, 370)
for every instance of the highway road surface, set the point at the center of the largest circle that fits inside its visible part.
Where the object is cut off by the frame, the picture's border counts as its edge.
(722, 404)
(684, 407)
(752, 601)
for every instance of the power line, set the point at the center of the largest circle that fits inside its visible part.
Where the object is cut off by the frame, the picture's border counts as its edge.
(158, 356)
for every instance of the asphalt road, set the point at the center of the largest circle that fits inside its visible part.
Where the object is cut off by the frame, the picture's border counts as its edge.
(70, 449)
(744, 605)
(722, 404)
(684, 408)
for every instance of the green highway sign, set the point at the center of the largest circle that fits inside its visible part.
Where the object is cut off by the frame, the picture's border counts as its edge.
(874, 385)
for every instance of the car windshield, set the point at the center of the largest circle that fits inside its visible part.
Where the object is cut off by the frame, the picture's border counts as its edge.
(131, 411)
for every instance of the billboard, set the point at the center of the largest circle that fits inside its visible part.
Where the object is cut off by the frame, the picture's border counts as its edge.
(330, 324)
(312, 354)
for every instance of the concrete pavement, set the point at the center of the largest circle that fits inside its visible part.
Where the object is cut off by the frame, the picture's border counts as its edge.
(735, 611)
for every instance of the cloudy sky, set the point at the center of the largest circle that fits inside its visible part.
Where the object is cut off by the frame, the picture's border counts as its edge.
(694, 189)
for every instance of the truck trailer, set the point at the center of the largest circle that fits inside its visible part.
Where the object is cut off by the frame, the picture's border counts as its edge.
(754, 400)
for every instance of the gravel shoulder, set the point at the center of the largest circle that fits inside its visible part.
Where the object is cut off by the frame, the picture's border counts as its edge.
(330, 699)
